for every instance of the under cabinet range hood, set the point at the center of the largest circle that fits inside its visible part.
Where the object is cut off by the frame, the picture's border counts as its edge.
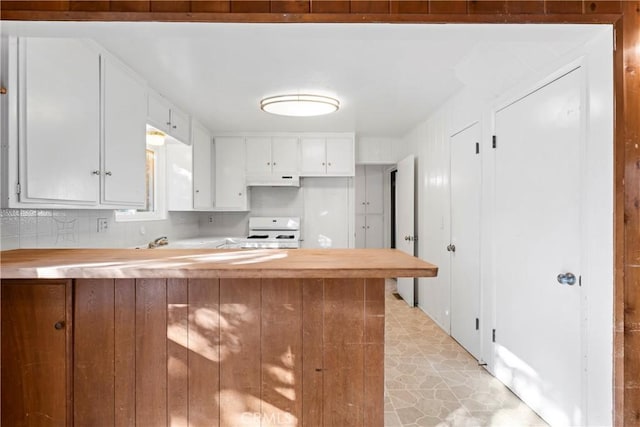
(274, 181)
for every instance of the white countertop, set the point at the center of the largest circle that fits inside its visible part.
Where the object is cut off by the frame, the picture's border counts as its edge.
(214, 242)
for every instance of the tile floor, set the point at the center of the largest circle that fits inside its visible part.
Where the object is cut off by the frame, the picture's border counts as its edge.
(430, 380)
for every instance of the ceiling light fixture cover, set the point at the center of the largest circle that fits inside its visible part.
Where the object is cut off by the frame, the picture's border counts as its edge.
(300, 105)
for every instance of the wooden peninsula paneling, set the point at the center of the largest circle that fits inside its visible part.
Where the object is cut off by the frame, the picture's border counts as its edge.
(210, 350)
(36, 337)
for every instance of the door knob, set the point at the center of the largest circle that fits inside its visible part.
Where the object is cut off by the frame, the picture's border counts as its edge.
(451, 248)
(567, 279)
(59, 325)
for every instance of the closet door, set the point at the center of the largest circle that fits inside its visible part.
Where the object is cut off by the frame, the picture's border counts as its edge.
(464, 248)
(537, 248)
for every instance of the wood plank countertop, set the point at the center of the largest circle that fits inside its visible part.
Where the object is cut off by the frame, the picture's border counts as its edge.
(211, 263)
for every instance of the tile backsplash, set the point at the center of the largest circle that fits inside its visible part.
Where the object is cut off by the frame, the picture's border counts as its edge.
(70, 228)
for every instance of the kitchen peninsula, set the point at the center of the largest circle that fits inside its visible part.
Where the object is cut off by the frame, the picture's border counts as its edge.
(196, 337)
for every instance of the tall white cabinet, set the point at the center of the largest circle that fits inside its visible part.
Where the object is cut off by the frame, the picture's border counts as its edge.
(230, 181)
(369, 206)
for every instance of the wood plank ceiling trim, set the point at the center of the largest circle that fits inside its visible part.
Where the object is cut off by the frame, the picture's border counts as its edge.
(627, 108)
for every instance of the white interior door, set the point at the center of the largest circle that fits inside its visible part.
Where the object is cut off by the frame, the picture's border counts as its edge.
(465, 238)
(537, 237)
(405, 234)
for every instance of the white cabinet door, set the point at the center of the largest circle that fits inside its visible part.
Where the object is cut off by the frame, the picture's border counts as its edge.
(59, 121)
(202, 144)
(179, 125)
(374, 186)
(284, 155)
(231, 190)
(258, 155)
(361, 232)
(374, 231)
(340, 156)
(331, 156)
(313, 157)
(179, 177)
(159, 112)
(125, 112)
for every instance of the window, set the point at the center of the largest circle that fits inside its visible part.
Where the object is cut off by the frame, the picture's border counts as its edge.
(155, 207)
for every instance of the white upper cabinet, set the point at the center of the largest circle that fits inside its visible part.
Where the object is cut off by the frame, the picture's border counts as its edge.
(125, 111)
(230, 178)
(327, 156)
(77, 118)
(180, 125)
(268, 156)
(284, 155)
(202, 144)
(58, 117)
(168, 118)
(258, 155)
(313, 156)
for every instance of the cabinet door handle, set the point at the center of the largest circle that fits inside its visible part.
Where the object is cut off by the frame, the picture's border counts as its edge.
(95, 172)
(168, 123)
(239, 194)
(197, 191)
(108, 173)
(274, 163)
(174, 126)
(329, 163)
(58, 325)
(268, 163)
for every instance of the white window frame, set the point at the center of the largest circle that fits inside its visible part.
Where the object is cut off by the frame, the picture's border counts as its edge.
(159, 211)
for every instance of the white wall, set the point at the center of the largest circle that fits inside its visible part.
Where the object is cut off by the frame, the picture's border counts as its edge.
(429, 142)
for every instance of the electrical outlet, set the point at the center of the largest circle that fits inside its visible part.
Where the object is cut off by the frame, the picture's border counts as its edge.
(103, 225)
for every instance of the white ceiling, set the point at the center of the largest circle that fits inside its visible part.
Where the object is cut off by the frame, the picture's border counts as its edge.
(388, 77)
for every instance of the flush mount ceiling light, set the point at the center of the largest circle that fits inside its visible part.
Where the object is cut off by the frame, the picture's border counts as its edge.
(155, 137)
(300, 105)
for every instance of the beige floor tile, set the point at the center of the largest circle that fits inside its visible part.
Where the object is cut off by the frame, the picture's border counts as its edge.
(430, 380)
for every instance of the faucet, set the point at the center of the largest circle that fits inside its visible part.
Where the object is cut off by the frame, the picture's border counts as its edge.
(160, 241)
